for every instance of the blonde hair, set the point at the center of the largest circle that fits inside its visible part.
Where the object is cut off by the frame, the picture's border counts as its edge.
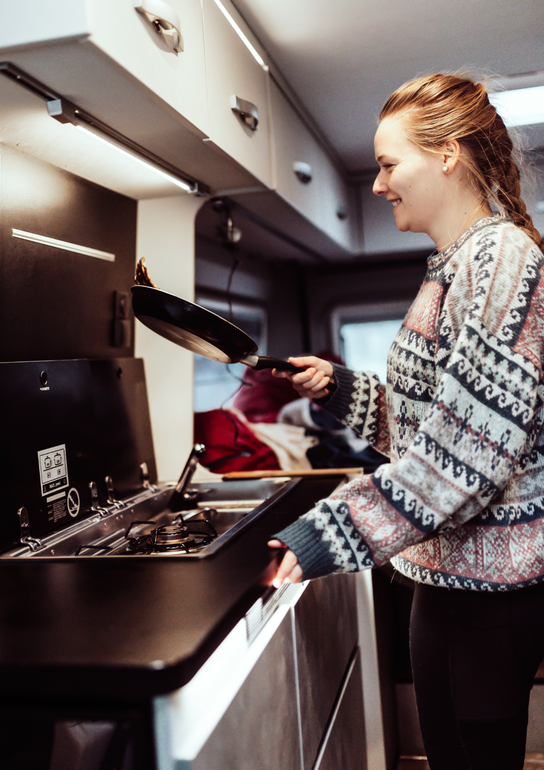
(439, 108)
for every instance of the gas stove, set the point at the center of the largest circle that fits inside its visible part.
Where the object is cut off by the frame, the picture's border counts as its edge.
(80, 477)
(143, 525)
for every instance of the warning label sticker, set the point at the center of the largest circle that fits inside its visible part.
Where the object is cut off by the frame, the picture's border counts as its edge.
(53, 469)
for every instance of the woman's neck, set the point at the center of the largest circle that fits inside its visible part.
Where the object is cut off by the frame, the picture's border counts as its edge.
(460, 216)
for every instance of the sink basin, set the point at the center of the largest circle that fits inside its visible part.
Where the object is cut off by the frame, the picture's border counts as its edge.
(241, 492)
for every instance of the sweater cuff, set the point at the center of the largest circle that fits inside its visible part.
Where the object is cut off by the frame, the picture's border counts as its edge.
(304, 540)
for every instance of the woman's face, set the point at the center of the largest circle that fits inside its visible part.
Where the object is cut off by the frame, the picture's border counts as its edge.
(411, 180)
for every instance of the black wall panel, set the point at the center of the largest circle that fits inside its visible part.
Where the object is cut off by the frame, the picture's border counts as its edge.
(53, 303)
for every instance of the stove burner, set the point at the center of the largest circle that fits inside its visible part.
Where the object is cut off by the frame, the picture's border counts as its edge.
(179, 535)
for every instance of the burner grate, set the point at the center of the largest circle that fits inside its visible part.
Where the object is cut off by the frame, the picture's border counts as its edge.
(176, 536)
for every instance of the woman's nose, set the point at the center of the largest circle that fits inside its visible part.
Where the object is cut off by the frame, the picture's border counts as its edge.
(379, 187)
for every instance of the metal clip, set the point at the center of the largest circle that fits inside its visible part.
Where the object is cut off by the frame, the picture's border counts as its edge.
(144, 475)
(32, 542)
(110, 490)
(95, 508)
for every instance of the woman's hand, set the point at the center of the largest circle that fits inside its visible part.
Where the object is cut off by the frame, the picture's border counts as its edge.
(289, 570)
(313, 381)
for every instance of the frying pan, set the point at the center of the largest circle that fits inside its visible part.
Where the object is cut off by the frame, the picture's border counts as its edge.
(199, 330)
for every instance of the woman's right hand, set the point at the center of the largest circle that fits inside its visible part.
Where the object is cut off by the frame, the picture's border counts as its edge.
(313, 381)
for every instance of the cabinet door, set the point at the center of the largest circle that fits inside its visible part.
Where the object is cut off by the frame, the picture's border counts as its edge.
(345, 745)
(233, 73)
(322, 196)
(125, 36)
(260, 727)
(326, 635)
(130, 38)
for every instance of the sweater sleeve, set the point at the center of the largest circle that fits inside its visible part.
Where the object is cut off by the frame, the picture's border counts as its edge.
(359, 403)
(467, 446)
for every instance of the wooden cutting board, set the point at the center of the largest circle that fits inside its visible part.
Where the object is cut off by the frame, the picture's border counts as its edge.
(313, 472)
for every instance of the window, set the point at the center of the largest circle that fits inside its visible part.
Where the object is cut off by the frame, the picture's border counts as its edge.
(215, 383)
(364, 334)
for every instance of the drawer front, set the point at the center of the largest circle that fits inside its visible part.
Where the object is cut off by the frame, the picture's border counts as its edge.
(233, 73)
(326, 635)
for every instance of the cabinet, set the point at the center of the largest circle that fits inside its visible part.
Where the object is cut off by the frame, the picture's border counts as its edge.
(326, 635)
(291, 698)
(85, 32)
(345, 745)
(107, 58)
(233, 74)
(260, 727)
(322, 196)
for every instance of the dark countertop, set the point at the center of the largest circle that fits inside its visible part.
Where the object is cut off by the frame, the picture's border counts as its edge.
(140, 626)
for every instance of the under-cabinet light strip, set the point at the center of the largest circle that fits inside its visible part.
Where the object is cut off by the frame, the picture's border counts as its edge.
(64, 245)
(251, 48)
(110, 143)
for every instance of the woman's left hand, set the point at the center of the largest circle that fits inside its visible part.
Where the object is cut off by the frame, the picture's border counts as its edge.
(289, 570)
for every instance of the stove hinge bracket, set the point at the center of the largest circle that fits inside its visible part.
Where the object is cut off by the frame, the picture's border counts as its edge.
(26, 539)
(111, 494)
(95, 507)
(144, 476)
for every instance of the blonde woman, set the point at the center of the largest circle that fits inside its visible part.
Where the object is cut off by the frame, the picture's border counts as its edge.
(460, 508)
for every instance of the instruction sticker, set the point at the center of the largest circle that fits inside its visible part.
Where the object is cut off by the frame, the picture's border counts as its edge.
(53, 469)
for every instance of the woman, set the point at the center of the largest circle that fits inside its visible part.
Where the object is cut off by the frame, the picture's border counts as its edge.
(460, 509)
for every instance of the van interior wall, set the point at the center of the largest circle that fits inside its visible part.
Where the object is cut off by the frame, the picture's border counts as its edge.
(273, 285)
(389, 278)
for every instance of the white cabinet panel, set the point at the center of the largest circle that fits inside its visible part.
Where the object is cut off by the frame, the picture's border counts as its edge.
(233, 72)
(125, 36)
(129, 38)
(324, 194)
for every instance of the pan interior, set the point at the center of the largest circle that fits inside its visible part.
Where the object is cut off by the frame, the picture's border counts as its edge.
(187, 340)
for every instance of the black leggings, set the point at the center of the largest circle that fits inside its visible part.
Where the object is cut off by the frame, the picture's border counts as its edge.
(474, 658)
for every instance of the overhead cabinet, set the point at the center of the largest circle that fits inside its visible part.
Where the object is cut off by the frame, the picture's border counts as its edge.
(305, 175)
(238, 93)
(136, 65)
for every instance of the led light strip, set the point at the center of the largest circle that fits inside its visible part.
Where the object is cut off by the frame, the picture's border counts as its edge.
(251, 48)
(64, 245)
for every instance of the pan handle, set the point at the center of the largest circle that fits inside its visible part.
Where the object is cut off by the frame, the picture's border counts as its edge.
(267, 362)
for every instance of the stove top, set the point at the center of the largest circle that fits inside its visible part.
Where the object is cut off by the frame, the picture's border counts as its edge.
(143, 525)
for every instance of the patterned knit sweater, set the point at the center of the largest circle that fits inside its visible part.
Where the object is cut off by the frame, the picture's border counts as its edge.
(462, 502)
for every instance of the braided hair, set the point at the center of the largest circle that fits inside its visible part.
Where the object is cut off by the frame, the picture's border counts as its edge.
(440, 107)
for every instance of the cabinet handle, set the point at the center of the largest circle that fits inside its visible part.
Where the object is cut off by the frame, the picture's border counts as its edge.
(246, 111)
(164, 20)
(303, 171)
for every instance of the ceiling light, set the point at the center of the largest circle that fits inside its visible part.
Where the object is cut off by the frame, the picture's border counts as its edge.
(245, 40)
(521, 107)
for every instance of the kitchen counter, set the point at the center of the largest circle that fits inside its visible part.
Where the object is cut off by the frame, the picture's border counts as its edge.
(132, 627)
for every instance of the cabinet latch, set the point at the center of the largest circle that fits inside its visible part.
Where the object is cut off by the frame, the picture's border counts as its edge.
(246, 111)
(164, 20)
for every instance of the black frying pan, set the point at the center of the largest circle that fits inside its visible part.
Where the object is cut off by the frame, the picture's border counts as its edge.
(199, 330)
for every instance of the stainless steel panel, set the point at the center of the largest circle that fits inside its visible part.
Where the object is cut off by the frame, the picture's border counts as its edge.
(260, 728)
(326, 635)
(345, 745)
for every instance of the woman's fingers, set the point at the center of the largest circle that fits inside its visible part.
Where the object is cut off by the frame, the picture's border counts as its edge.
(312, 381)
(289, 570)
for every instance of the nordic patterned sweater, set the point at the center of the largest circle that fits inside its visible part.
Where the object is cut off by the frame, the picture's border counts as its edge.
(462, 502)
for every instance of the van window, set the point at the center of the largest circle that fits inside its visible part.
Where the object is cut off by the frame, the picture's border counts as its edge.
(214, 382)
(365, 333)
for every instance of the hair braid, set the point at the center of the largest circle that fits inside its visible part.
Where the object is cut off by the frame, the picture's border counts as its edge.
(441, 107)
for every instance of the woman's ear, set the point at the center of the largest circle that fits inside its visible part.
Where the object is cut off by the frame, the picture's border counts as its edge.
(451, 152)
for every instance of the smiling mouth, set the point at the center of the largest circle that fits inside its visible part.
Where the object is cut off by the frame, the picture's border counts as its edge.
(396, 202)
